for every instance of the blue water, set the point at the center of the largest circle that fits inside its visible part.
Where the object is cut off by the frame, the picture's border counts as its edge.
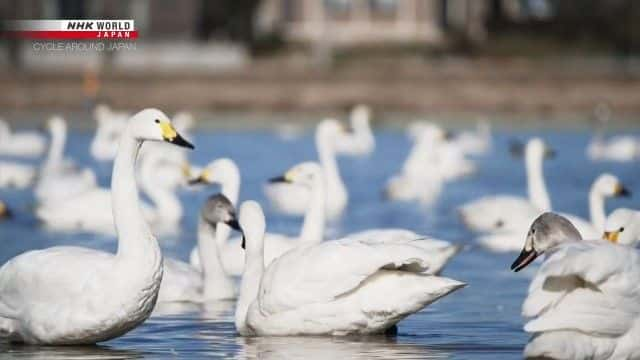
(481, 321)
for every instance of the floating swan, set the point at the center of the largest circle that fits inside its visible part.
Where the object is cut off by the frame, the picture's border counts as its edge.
(477, 142)
(337, 287)
(508, 212)
(16, 175)
(362, 142)
(183, 282)
(24, 143)
(69, 295)
(605, 186)
(292, 200)
(109, 127)
(166, 211)
(623, 227)
(59, 178)
(583, 302)
(618, 148)
(226, 173)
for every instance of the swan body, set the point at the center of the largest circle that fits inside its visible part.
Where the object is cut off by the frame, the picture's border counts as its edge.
(109, 127)
(71, 295)
(362, 142)
(619, 148)
(24, 143)
(424, 188)
(505, 212)
(183, 282)
(293, 199)
(583, 301)
(59, 178)
(15, 175)
(338, 287)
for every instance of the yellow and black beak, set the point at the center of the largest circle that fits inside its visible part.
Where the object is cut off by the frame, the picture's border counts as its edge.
(5, 213)
(203, 178)
(448, 135)
(611, 236)
(169, 134)
(621, 190)
(286, 178)
(549, 153)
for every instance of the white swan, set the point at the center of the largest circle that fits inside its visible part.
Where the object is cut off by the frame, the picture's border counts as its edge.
(605, 186)
(508, 212)
(16, 175)
(361, 142)
(583, 302)
(59, 178)
(183, 282)
(292, 200)
(621, 148)
(333, 288)
(72, 295)
(477, 142)
(623, 227)
(109, 127)
(165, 213)
(24, 143)
(226, 173)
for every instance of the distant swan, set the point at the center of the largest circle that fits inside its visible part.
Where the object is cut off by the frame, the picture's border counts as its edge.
(109, 127)
(68, 295)
(16, 175)
(25, 143)
(337, 287)
(362, 141)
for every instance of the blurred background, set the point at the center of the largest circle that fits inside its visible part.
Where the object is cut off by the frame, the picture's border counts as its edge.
(546, 61)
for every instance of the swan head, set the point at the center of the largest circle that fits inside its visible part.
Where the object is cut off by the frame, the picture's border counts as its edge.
(57, 124)
(253, 226)
(547, 231)
(154, 125)
(609, 185)
(538, 149)
(219, 209)
(304, 174)
(360, 116)
(4, 211)
(330, 129)
(183, 121)
(101, 112)
(219, 171)
(623, 227)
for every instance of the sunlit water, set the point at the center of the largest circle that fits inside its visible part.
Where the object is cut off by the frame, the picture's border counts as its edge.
(481, 321)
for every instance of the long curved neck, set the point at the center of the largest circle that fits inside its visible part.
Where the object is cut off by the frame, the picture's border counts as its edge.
(327, 157)
(5, 131)
(167, 205)
(250, 286)
(135, 241)
(56, 149)
(216, 282)
(596, 208)
(230, 189)
(312, 231)
(537, 188)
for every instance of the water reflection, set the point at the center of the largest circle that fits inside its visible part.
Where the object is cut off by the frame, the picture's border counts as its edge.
(322, 348)
(66, 352)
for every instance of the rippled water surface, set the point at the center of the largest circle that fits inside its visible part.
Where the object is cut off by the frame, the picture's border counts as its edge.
(481, 321)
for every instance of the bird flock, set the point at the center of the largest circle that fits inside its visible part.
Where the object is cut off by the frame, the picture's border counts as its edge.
(584, 301)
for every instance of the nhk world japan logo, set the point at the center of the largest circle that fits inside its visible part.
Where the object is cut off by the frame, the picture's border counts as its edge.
(71, 29)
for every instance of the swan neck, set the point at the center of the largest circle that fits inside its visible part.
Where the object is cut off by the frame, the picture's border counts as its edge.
(216, 282)
(326, 155)
(56, 149)
(135, 240)
(250, 286)
(537, 188)
(596, 209)
(312, 231)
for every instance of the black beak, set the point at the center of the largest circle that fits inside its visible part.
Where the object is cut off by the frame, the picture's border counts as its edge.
(244, 242)
(525, 258)
(624, 192)
(448, 135)
(278, 179)
(180, 141)
(7, 214)
(196, 181)
(233, 223)
(516, 148)
(550, 154)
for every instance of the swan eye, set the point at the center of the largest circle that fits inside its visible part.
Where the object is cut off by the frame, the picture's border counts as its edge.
(622, 229)
(157, 121)
(533, 231)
